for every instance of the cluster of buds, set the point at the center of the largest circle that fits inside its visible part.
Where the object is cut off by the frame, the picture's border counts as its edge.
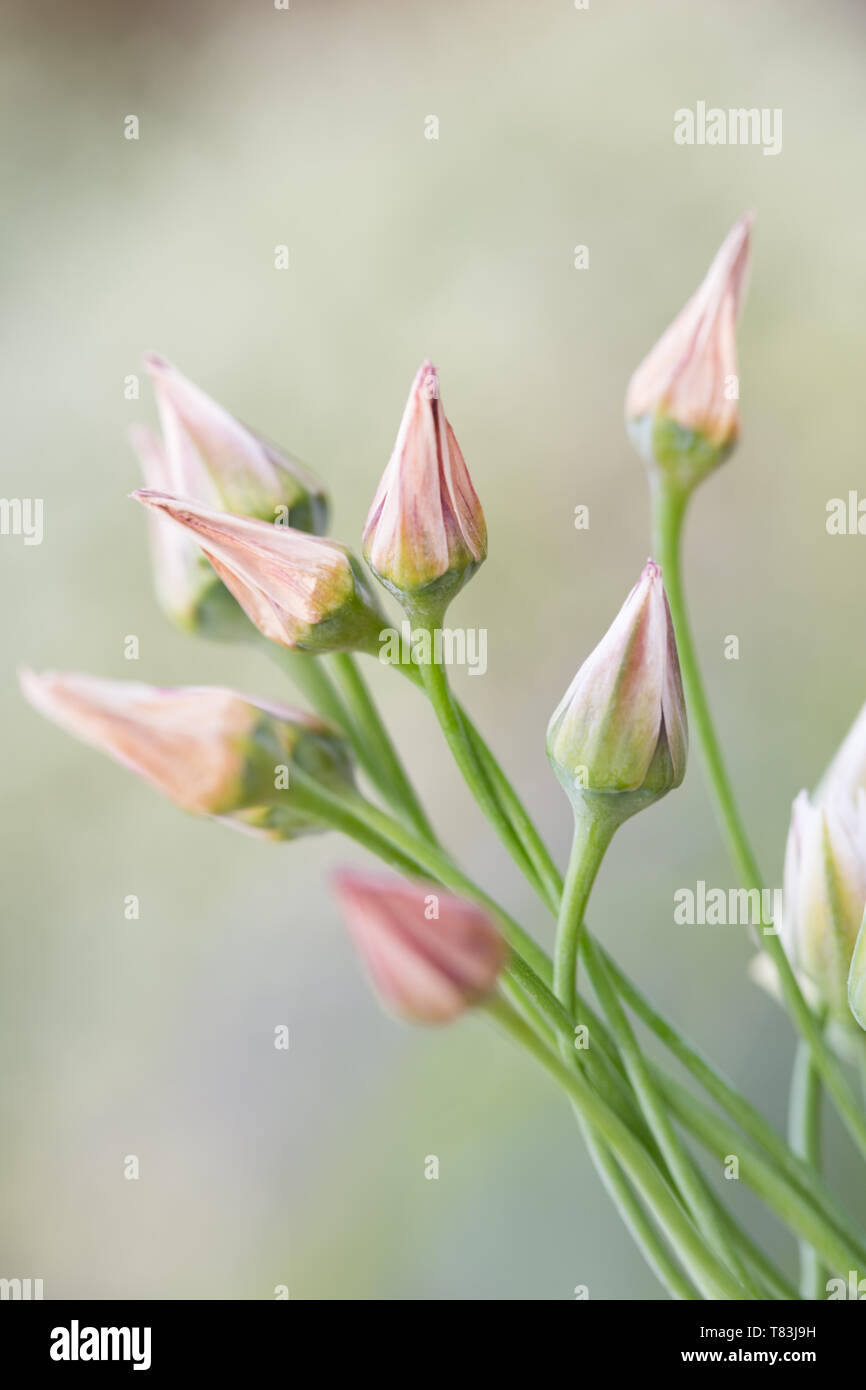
(682, 403)
(207, 456)
(236, 526)
(619, 737)
(211, 751)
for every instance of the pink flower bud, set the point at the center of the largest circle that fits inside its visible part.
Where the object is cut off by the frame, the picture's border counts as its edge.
(425, 533)
(219, 462)
(211, 751)
(621, 731)
(300, 591)
(429, 955)
(682, 403)
(187, 587)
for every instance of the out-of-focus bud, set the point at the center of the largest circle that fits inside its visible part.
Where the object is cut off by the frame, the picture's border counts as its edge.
(219, 462)
(301, 591)
(189, 591)
(211, 751)
(846, 775)
(619, 738)
(825, 893)
(681, 405)
(857, 978)
(425, 534)
(429, 955)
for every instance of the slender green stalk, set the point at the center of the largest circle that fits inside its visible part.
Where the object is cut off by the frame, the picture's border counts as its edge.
(741, 1110)
(593, 832)
(435, 863)
(668, 508)
(391, 773)
(438, 689)
(804, 1132)
(758, 1173)
(676, 1156)
(633, 1215)
(777, 1189)
(352, 810)
(710, 1276)
(310, 677)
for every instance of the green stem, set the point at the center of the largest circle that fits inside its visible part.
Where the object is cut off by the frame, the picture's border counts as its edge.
(307, 673)
(804, 1131)
(741, 1110)
(668, 508)
(593, 832)
(354, 811)
(633, 1215)
(758, 1173)
(781, 1191)
(676, 1156)
(709, 1274)
(391, 775)
(381, 835)
(435, 679)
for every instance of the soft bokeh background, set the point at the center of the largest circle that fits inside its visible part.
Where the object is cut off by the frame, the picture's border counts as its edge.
(306, 127)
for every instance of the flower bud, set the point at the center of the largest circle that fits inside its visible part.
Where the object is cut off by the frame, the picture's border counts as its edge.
(619, 736)
(425, 534)
(211, 751)
(189, 591)
(846, 775)
(301, 591)
(825, 893)
(682, 402)
(219, 462)
(429, 955)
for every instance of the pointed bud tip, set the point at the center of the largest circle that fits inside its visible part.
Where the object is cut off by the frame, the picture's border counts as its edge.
(156, 364)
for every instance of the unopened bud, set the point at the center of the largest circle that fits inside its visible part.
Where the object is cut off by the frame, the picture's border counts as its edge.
(620, 735)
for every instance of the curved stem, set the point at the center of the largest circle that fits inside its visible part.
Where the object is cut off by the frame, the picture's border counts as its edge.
(633, 1215)
(679, 1161)
(708, 1273)
(391, 775)
(593, 832)
(804, 1131)
(435, 679)
(307, 673)
(744, 1114)
(668, 508)
(383, 836)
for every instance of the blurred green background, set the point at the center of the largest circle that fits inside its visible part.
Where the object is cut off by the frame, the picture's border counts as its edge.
(306, 127)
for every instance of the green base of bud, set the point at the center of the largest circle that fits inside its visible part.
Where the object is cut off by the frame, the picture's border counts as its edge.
(612, 807)
(426, 606)
(684, 456)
